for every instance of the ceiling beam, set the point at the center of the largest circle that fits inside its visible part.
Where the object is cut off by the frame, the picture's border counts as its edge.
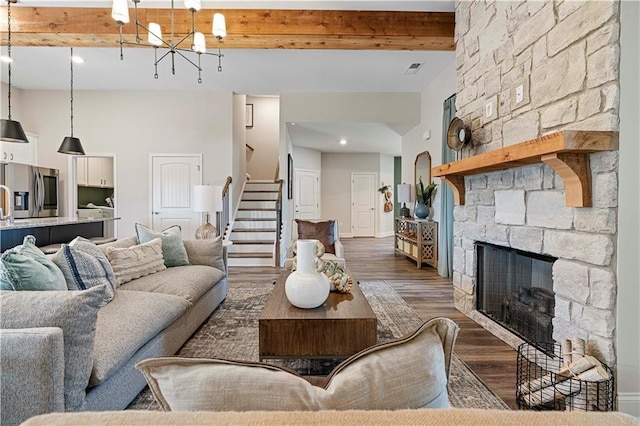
(246, 29)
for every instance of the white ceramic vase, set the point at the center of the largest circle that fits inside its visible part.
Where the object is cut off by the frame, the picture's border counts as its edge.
(306, 287)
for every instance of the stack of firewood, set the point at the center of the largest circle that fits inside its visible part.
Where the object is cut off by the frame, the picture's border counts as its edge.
(575, 381)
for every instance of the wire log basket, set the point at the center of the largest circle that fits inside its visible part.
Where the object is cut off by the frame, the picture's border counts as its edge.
(543, 382)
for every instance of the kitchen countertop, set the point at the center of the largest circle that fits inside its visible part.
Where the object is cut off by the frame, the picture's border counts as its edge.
(50, 221)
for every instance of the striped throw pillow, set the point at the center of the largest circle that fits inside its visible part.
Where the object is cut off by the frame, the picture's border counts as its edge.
(84, 266)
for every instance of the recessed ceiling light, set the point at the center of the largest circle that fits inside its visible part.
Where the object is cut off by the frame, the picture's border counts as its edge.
(343, 141)
(6, 59)
(414, 68)
(77, 60)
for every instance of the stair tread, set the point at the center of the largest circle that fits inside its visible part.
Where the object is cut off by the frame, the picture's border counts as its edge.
(258, 199)
(250, 255)
(254, 219)
(258, 209)
(262, 191)
(255, 230)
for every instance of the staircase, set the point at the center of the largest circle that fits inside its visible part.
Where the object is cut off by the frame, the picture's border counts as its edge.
(255, 228)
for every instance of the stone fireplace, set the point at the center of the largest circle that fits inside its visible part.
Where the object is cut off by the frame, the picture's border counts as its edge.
(565, 57)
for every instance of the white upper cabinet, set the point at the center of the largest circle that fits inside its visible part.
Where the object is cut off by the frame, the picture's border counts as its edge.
(95, 171)
(24, 153)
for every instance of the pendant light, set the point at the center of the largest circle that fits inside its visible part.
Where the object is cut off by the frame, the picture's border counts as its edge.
(11, 130)
(71, 145)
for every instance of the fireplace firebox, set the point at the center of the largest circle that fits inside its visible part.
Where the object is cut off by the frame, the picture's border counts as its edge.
(515, 289)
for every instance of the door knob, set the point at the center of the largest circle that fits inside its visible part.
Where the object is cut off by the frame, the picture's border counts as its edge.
(156, 212)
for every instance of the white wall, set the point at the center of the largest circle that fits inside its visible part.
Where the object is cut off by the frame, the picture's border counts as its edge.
(264, 137)
(306, 158)
(132, 125)
(239, 163)
(628, 316)
(336, 184)
(413, 143)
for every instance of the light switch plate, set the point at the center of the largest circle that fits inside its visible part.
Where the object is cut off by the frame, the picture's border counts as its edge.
(520, 93)
(490, 109)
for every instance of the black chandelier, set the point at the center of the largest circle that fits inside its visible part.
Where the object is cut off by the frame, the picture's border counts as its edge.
(120, 13)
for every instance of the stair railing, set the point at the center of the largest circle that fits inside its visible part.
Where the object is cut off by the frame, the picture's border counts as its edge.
(223, 217)
(278, 221)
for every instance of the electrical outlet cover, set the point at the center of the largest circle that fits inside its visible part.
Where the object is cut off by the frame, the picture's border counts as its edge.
(520, 93)
(491, 109)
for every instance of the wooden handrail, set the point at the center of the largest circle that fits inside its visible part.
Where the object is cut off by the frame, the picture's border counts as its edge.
(225, 189)
(249, 147)
(566, 152)
(222, 218)
(277, 175)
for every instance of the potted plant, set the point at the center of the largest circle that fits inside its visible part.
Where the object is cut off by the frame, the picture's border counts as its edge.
(423, 198)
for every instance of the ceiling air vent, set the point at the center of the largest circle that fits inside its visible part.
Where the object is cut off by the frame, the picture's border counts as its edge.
(413, 68)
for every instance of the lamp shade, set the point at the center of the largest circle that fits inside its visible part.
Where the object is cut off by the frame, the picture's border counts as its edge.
(71, 145)
(155, 34)
(193, 5)
(219, 26)
(11, 131)
(199, 45)
(207, 198)
(120, 12)
(404, 193)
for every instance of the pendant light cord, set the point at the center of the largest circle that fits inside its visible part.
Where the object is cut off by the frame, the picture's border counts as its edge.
(71, 91)
(9, 53)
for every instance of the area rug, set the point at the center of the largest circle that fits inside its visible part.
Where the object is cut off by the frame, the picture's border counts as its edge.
(232, 332)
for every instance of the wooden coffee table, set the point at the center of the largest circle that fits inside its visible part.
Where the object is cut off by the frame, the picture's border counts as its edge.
(344, 325)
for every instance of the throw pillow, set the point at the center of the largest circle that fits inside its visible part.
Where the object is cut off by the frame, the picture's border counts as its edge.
(25, 267)
(411, 372)
(172, 246)
(75, 312)
(84, 266)
(136, 261)
(208, 252)
(322, 231)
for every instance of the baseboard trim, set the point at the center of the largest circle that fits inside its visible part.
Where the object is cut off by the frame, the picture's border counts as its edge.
(629, 403)
(385, 234)
(346, 235)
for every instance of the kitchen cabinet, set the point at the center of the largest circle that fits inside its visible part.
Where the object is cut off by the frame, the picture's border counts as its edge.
(417, 239)
(95, 171)
(24, 153)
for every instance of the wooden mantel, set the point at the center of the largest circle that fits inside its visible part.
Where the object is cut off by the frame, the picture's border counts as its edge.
(566, 152)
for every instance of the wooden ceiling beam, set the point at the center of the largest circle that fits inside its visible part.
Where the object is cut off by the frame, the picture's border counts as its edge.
(246, 29)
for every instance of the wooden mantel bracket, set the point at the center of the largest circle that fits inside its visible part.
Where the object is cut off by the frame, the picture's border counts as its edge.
(567, 152)
(575, 172)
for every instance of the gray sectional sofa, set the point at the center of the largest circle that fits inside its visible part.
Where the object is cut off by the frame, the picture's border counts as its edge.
(149, 317)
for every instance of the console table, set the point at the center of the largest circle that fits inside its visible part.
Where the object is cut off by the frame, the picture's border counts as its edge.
(418, 240)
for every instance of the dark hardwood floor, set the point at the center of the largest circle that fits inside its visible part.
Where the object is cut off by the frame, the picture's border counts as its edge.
(430, 296)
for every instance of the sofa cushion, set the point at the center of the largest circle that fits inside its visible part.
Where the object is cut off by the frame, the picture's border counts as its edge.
(136, 261)
(172, 246)
(189, 282)
(322, 231)
(406, 373)
(25, 267)
(126, 324)
(84, 266)
(206, 252)
(75, 312)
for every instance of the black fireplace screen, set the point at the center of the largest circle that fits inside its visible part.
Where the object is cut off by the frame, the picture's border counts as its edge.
(515, 288)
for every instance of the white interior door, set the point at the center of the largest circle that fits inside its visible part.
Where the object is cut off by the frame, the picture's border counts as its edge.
(172, 181)
(306, 194)
(363, 198)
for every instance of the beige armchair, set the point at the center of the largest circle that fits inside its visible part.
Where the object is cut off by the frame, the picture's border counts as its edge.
(324, 230)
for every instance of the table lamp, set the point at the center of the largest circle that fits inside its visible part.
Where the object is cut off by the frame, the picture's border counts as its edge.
(206, 199)
(404, 196)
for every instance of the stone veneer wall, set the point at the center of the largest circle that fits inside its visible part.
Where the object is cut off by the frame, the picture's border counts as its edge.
(568, 53)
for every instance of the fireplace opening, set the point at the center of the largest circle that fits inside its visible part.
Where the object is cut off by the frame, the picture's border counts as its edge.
(515, 289)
